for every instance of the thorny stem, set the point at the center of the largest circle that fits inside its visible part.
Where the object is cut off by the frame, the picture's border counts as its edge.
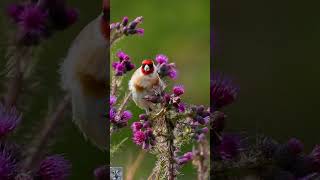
(36, 148)
(114, 86)
(200, 160)
(171, 148)
(116, 36)
(155, 174)
(165, 166)
(14, 86)
(124, 102)
(15, 75)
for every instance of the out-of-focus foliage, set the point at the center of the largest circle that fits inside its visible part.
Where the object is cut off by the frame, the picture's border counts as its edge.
(69, 141)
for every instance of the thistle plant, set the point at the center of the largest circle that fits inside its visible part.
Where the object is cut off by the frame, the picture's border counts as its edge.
(33, 22)
(175, 123)
(236, 156)
(117, 114)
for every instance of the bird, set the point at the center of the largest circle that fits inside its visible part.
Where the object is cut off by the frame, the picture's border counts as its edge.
(146, 86)
(84, 76)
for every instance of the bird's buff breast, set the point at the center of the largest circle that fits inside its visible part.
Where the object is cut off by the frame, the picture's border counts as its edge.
(92, 86)
(140, 87)
(141, 83)
(92, 75)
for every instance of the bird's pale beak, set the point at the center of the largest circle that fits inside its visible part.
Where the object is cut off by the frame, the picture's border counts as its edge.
(147, 68)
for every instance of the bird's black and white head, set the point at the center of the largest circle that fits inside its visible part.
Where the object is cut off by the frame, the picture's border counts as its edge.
(147, 67)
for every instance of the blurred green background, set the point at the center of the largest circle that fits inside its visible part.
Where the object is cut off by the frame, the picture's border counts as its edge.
(271, 50)
(68, 139)
(180, 30)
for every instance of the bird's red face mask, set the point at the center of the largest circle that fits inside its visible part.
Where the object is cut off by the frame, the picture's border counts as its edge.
(147, 67)
(105, 21)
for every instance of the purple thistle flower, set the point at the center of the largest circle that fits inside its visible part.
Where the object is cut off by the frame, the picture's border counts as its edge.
(60, 15)
(72, 15)
(166, 69)
(150, 139)
(112, 26)
(125, 21)
(113, 100)
(123, 65)
(119, 69)
(230, 146)
(126, 115)
(32, 24)
(149, 132)
(101, 173)
(140, 31)
(136, 126)
(201, 115)
(138, 137)
(14, 11)
(138, 19)
(122, 56)
(173, 73)
(188, 155)
(315, 155)
(127, 28)
(200, 137)
(205, 130)
(119, 120)
(222, 92)
(128, 65)
(112, 114)
(115, 64)
(143, 117)
(146, 124)
(7, 165)
(175, 101)
(54, 167)
(132, 25)
(33, 19)
(185, 158)
(181, 107)
(166, 98)
(161, 59)
(178, 90)
(9, 120)
(295, 146)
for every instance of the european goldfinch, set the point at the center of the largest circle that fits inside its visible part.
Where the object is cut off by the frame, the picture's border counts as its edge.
(84, 77)
(145, 85)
